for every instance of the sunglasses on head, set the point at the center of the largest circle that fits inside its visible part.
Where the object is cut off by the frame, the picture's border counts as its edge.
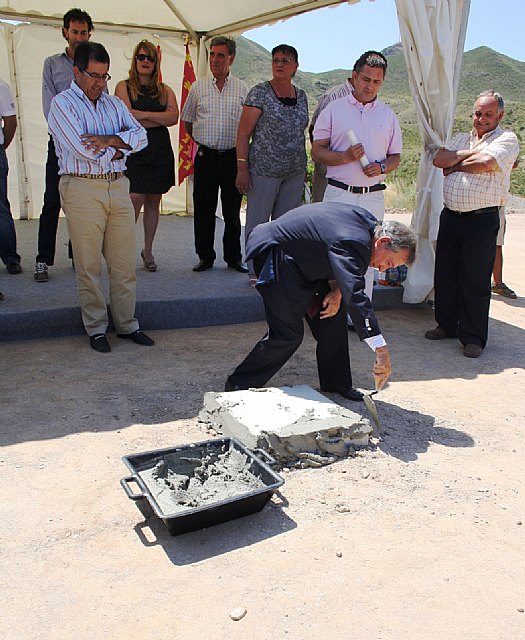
(142, 56)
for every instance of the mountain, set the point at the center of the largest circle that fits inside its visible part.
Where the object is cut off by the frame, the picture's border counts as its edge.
(483, 68)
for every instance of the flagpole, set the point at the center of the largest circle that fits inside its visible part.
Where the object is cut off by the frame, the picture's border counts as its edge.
(186, 144)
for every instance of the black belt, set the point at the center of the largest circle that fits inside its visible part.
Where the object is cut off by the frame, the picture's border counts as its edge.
(341, 185)
(216, 151)
(474, 212)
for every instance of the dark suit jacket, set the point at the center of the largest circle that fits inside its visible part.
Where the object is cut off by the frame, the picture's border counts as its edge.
(328, 241)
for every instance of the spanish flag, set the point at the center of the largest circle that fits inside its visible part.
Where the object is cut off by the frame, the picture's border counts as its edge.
(186, 145)
(159, 58)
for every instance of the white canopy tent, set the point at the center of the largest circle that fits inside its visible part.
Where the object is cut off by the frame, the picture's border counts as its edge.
(432, 32)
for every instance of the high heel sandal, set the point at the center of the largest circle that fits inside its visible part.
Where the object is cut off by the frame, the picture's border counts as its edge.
(149, 265)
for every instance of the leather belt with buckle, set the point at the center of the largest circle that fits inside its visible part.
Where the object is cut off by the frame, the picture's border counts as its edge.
(218, 152)
(341, 185)
(473, 212)
(114, 175)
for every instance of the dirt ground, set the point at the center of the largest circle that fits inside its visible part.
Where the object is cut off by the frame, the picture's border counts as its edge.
(419, 536)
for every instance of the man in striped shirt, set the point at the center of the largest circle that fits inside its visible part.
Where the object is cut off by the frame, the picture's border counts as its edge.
(93, 133)
(477, 168)
(335, 93)
(211, 116)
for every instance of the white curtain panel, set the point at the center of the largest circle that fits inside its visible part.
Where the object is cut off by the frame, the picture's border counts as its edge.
(433, 37)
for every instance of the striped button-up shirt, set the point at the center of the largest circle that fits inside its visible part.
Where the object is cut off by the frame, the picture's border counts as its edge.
(215, 114)
(470, 191)
(335, 93)
(72, 114)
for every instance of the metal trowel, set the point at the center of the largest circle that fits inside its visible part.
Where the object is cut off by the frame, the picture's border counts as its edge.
(372, 409)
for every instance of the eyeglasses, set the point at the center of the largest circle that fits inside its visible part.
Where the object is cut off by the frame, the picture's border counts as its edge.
(281, 60)
(97, 76)
(142, 56)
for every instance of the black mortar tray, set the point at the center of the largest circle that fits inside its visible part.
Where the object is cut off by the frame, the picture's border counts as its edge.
(216, 512)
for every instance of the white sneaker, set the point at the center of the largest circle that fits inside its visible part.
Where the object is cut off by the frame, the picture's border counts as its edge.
(41, 274)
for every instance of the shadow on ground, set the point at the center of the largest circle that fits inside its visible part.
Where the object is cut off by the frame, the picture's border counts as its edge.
(197, 546)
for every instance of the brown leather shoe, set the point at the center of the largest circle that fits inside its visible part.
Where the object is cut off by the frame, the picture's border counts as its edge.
(436, 334)
(472, 350)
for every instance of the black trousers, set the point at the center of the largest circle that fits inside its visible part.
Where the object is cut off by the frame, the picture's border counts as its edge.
(214, 170)
(465, 251)
(286, 302)
(48, 223)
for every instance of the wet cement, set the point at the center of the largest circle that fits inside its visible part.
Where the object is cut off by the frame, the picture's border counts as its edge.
(180, 482)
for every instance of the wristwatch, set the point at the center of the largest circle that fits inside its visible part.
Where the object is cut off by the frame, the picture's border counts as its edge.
(383, 167)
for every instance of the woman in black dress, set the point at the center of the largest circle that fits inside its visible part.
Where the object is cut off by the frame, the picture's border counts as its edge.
(151, 172)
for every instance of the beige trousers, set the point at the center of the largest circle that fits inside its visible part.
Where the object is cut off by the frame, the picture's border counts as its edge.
(101, 222)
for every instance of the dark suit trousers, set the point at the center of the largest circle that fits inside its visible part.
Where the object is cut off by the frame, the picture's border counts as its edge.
(214, 170)
(465, 251)
(286, 303)
(48, 223)
(47, 226)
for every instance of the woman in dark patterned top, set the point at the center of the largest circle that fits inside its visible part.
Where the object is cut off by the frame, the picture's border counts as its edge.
(271, 155)
(151, 172)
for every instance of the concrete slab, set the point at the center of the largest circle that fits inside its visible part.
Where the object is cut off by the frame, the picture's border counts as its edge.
(297, 425)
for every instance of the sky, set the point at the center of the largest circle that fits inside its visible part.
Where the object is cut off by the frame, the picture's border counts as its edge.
(334, 38)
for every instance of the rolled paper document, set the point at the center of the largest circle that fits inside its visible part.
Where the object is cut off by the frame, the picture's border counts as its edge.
(353, 140)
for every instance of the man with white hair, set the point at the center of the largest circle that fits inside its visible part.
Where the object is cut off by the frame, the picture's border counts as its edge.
(477, 168)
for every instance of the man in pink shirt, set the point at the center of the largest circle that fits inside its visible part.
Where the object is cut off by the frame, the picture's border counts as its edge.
(355, 170)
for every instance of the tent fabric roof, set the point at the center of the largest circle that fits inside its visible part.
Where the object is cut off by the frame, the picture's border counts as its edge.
(197, 17)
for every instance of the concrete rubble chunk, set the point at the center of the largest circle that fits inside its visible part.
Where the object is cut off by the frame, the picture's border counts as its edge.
(297, 425)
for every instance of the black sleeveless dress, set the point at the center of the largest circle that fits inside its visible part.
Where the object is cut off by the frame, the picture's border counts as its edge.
(151, 170)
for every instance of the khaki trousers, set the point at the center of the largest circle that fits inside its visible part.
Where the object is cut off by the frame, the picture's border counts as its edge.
(101, 222)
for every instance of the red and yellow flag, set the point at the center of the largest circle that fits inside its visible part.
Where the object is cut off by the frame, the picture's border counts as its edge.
(187, 147)
(159, 58)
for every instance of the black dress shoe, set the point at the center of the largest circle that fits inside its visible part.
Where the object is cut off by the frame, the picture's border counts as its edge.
(238, 266)
(230, 387)
(349, 393)
(13, 268)
(138, 337)
(99, 342)
(203, 265)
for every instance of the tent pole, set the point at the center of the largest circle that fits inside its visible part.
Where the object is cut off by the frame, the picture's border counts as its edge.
(24, 182)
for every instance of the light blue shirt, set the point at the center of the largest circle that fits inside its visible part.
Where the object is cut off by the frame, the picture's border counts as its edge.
(57, 75)
(72, 114)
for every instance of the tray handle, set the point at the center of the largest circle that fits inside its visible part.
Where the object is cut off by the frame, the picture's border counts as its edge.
(124, 482)
(264, 454)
